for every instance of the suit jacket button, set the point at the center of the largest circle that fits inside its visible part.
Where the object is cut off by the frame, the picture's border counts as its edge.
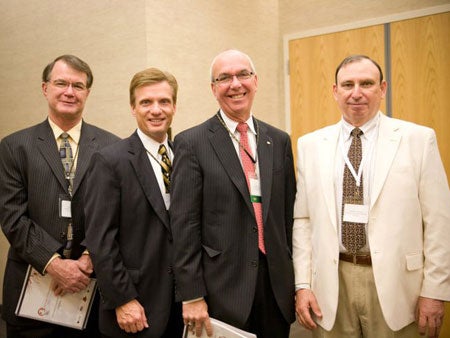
(255, 229)
(62, 235)
(254, 264)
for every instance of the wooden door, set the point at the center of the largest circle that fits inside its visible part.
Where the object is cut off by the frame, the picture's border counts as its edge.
(421, 75)
(312, 64)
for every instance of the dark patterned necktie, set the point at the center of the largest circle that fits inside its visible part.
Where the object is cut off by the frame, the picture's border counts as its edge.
(66, 154)
(166, 166)
(249, 169)
(353, 234)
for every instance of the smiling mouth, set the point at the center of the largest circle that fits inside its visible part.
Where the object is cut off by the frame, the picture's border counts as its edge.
(237, 96)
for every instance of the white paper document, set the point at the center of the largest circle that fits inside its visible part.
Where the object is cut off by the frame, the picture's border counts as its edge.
(220, 330)
(38, 301)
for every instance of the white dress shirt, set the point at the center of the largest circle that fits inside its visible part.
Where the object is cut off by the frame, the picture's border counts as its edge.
(152, 148)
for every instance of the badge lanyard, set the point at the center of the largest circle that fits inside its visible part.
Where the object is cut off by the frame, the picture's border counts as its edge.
(356, 175)
(254, 160)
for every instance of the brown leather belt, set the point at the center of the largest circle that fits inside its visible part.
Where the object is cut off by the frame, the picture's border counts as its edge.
(356, 259)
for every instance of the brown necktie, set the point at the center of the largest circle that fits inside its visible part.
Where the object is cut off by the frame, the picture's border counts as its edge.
(353, 234)
(166, 166)
(249, 169)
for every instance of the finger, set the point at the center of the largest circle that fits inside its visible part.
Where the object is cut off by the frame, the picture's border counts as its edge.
(316, 309)
(422, 325)
(139, 326)
(433, 331)
(306, 319)
(144, 321)
(133, 328)
(208, 327)
(198, 328)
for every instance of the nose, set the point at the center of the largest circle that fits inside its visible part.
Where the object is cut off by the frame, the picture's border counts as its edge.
(155, 108)
(357, 92)
(235, 81)
(69, 90)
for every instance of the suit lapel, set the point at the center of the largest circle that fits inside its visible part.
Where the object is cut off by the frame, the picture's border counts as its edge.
(225, 151)
(47, 146)
(265, 162)
(146, 177)
(328, 148)
(387, 145)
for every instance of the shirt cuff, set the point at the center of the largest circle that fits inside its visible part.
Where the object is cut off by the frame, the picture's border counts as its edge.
(302, 286)
(192, 300)
(56, 255)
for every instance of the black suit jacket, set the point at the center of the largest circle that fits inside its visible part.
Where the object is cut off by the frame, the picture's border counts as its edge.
(32, 179)
(128, 236)
(214, 226)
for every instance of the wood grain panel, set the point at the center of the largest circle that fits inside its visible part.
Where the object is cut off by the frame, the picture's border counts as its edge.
(421, 75)
(313, 62)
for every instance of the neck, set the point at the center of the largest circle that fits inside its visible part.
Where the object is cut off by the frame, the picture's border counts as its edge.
(237, 117)
(64, 124)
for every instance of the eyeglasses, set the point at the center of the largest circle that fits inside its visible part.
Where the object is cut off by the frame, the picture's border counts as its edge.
(61, 84)
(226, 79)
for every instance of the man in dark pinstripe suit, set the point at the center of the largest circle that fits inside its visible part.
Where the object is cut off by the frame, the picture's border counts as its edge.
(34, 185)
(225, 265)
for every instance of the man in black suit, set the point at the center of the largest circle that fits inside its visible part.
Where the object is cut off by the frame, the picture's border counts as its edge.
(33, 186)
(128, 232)
(231, 212)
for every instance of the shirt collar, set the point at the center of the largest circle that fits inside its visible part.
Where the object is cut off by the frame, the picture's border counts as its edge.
(369, 128)
(150, 144)
(232, 125)
(74, 133)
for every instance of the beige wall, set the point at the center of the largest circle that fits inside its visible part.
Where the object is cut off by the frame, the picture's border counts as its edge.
(120, 37)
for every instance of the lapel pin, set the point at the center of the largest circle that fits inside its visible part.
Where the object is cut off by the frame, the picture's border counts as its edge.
(268, 142)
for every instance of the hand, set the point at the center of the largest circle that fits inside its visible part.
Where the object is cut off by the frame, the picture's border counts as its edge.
(195, 315)
(131, 317)
(67, 276)
(429, 316)
(85, 264)
(305, 303)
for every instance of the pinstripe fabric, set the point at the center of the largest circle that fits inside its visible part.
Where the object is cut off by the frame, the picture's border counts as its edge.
(213, 221)
(131, 251)
(31, 181)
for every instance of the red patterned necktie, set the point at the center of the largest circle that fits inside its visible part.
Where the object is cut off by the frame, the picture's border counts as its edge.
(249, 169)
(353, 234)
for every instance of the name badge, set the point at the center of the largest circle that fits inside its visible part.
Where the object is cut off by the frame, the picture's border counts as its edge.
(255, 190)
(356, 213)
(65, 207)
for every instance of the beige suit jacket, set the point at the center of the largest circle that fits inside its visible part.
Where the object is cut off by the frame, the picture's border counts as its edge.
(409, 220)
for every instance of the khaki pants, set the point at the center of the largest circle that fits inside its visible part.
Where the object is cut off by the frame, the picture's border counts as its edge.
(359, 311)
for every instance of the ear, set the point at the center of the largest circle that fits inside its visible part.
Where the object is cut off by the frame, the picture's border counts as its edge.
(133, 111)
(214, 89)
(383, 87)
(335, 91)
(44, 87)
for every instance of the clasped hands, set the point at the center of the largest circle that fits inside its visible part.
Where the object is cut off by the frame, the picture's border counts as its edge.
(69, 275)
